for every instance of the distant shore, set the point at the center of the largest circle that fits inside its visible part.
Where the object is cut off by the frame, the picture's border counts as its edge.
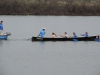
(50, 7)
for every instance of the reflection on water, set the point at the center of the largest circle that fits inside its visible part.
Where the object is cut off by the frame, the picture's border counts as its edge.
(42, 42)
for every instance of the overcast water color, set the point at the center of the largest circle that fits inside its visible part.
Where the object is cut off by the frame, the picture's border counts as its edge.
(21, 56)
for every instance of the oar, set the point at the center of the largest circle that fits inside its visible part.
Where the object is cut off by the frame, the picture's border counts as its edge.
(75, 40)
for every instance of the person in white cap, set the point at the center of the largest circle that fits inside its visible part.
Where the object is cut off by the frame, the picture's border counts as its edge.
(42, 33)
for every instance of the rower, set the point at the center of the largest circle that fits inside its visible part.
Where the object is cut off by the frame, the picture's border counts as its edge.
(86, 34)
(53, 35)
(65, 35)
(74, 35)
(97, 38)
(42, 33)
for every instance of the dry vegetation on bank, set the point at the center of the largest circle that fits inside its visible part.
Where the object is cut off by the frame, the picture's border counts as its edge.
(50, 7)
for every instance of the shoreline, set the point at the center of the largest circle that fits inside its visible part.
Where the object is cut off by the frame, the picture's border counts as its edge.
(51, 7)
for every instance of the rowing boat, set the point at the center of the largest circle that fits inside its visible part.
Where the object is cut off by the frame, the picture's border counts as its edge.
(3, 37)
(90, 38)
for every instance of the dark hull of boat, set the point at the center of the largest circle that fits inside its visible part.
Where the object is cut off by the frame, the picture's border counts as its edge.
(91, 38)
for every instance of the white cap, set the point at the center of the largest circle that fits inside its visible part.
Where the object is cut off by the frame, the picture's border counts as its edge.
(43, 28)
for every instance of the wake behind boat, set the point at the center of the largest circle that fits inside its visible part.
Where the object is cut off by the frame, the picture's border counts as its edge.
(90, 38)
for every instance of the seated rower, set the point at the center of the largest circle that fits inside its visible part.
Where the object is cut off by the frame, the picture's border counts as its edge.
(86, 34)
(74, 35)
(65, 35)
(97, 38)
(53, 35)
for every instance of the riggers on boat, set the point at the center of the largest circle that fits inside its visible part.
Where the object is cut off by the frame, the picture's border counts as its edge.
(90, 38)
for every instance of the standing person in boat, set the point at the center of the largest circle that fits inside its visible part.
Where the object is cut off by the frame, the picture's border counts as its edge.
(42, 33)
(86, 34)
(74, 35)
(53, 35)
(65, 35)
(1, 27)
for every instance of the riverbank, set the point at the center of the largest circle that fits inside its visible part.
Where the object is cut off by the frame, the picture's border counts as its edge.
(50, 7)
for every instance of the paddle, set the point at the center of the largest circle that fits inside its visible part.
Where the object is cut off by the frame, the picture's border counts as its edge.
(75, 40)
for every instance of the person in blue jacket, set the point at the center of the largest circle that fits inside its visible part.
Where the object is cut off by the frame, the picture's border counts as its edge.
(42, 33)
(1, 27)
(85, 35)
(74, 35)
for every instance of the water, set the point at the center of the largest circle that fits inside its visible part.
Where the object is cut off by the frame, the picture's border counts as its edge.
(19, 56)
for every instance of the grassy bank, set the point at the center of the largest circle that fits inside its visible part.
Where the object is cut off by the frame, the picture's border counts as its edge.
(50, 7)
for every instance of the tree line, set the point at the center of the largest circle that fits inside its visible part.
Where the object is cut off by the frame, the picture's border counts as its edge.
(49, 7)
